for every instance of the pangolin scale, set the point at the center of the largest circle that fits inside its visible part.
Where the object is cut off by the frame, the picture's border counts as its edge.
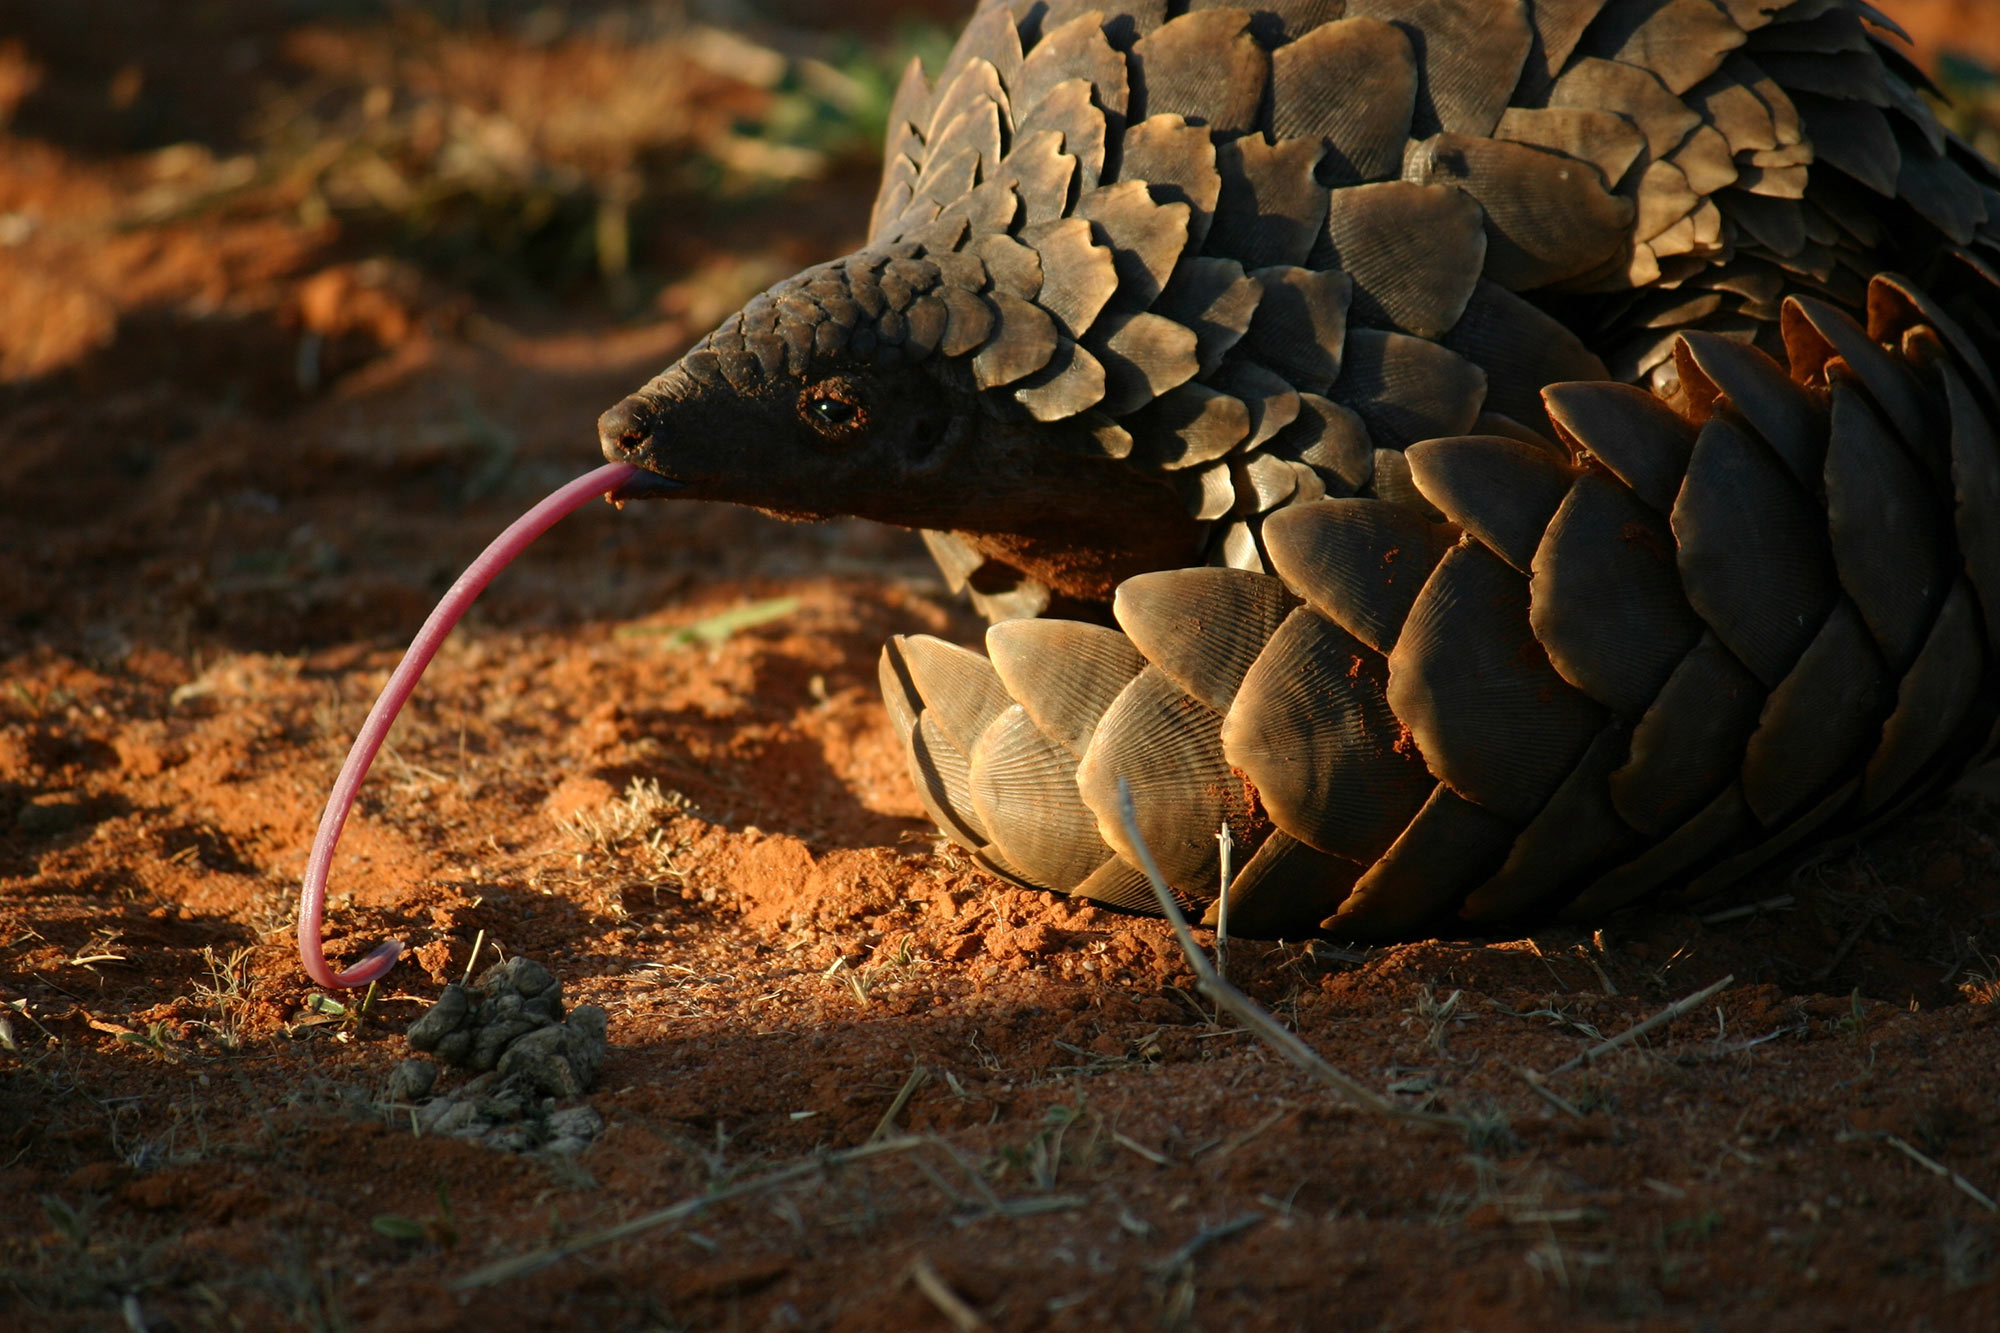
(1500, 458)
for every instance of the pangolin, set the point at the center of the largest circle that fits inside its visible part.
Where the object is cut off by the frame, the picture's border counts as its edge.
(1491, 457)
(1496, 458)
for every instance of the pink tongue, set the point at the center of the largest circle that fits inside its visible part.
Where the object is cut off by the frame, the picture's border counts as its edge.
(312, 894)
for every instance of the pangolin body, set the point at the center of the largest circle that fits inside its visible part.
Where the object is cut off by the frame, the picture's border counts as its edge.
(1536, 453)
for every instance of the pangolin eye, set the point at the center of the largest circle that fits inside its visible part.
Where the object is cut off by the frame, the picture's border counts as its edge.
(832, 411)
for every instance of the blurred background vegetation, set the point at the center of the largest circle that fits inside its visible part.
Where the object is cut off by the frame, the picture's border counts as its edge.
(653, 159)
(507, 148)
(1972, 89)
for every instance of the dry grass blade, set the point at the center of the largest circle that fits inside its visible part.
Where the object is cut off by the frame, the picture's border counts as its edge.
(919, 1076)
(1548, 1094)
(1930, 1164)
(1248, 1136)
(505, 1270)
(1631, 1034)
(1133, 1145)
(949, 1303)
(1202, 1239)
(1247, 1011)
(1784, 902)
(1226, 844)
(717, 629)
(478, 944)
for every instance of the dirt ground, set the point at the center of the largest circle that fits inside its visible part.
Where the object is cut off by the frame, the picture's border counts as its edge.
(298, 306)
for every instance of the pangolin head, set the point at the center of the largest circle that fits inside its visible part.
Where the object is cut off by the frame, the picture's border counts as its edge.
(903, 387)
(816, 399)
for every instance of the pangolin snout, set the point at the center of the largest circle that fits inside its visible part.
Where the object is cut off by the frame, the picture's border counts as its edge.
(626, 430)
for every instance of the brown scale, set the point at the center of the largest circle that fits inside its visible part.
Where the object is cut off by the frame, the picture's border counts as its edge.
(1538, 456)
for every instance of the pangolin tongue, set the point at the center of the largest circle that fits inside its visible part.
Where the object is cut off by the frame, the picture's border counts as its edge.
(612, 482)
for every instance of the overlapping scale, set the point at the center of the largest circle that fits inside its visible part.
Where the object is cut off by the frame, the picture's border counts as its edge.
(1471, 57)
(1300, 325)
(1353, 85)
(1413, 251)
(1605, 139)
(1895, 304)
(1188, 426)
(1819, 719)
(1071, 383)
(1271, 210)
(1178, 163)
(1040, 174)
(1202, 627)
(1078, 277)
(1394, 482)
(1169, 748)
(1753, 551)
(1500, 490)
(1757, 388)
(1361, 563)
(1146, 238)
(1023, 788)
(1546, 220)
(1640, 438)
(1816, 332)
(1271, 400)
(1215, 300)
(899, 692)
(958, 687)
(1205, 66)
(1408, 389)
(1286, 888)
(1769, 845)
(1118, 883)
(1311, 727)
(1333, 442)
(1607, 599)
(1579, 830)
(1065, 673)
(1934, 697)
(943, 779)
(1520, 349)
(1680, 41)
(1084, 127)
(1882, 519)
(1475, 687)
(1451, 843)
(993, 36)
(1023, 340)
(1689, 742)
(1076, 49)
(1144, 355)
(1716, 825)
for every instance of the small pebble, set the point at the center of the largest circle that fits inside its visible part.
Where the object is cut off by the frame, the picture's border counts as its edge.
(412, 1081)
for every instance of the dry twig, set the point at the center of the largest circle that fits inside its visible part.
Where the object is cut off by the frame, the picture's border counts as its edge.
(919, 1076)
(1930, 1164)
(1549, 1094)
(1665, 1016)
(506, 1270)
(949, 1303)
(1784, 902)
(1225, 844)
(1133, 1145)
(1247, 1011)
(1201, 1240)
